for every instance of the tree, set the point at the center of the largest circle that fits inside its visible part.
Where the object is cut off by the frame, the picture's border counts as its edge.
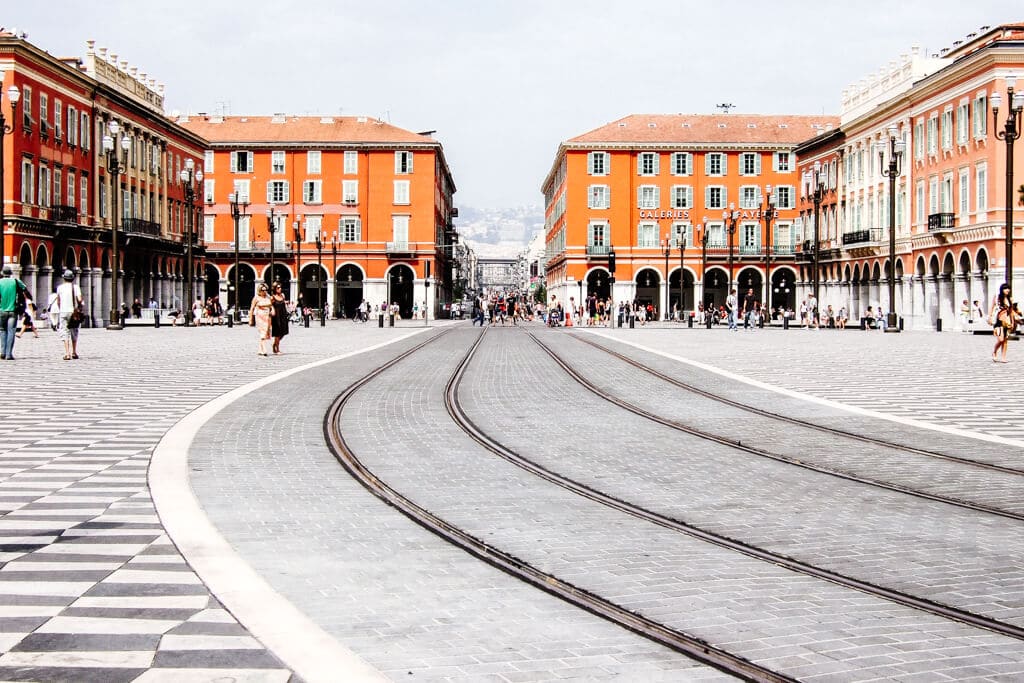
(540, 294)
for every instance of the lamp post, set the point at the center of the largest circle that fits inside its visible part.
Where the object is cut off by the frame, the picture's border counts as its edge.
(731, 218)
(667, 246)
(426, 292)
(768, 211)
(115, 166)
(1009, 133)
(682, 251)
(238, 209)
(334, 268)
(813, 179)
(319, 274)
(611, 284)
(299, 231)
(191, 177)
(579, 302)
(272, 228)
(13, 94)
(895, 147)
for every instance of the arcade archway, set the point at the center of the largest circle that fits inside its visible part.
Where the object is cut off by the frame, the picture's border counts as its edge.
(400, 288)
(348, 291)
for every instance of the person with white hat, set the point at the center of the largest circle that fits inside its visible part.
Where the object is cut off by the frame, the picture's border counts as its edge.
(68, 309)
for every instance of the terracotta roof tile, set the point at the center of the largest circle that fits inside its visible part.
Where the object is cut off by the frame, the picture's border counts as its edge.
(300, 129)
(716, 129)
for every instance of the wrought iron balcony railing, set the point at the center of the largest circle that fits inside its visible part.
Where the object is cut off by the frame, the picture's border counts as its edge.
(941, 221)
(139, 226)
(63, 214)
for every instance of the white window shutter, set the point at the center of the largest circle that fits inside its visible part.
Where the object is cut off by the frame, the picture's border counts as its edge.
(657, 164)
(270, 190)
(234, 162)
(640, 197)
(590, 163)
(707, 197)
(657, 196)
(757, 164)
(286, 195)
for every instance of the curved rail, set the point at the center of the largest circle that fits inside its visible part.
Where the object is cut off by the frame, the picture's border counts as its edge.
(520, 569)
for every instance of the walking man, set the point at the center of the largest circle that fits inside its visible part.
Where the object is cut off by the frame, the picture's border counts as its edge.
(730, 308)
(10, 287)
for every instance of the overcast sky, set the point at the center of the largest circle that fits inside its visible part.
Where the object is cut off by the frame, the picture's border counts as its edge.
(503, 82)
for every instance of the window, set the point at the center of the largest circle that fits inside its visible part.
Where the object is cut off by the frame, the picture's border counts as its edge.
(58, 119)
(682, 197)
(647, 235)
(965, 193)
(750, 237)
(400, 229)
(277, 191)
(980, 116)
(241, 162)
(403, 165)
(207, 161)
(682, 163)
(314, 228)
(715, 197)
(947, 129)
(44, 113)
(72, 122)
(598, 197)
(208, 222)
(963, 124)
(684, 229)
(750, 197)
(86, 131)
(918, 141)
(350, 229)
(83, 194)
(714, 163)
(933, 135)
(277, 162)
(933, 195)
(783, 162)
(241, 190)
(208, 195)
(72, 188)
(58, 186)
(313, 162)
(401, 192)
(981, 186)
(43, 196)
(351, 162)
(919, 196)
(648, 197)
(597, 163)
(785, 197)
(244, 232)
(946, 196)
(647, 163)
(350, 191)
(311, 193)
(750, 163)
(26, 108)
(597, 234)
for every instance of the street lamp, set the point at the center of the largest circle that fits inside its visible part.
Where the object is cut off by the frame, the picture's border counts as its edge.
(1010, 133)
(682, 250)
(667, 246)
(238, 209)
(299, 231)
(731, 218)
(319, 273)
(891, 170)
(13, 94)
(191, 177)
(115, 166)
(272, 228)
(813, 179)
(768, 211)
(334, 269)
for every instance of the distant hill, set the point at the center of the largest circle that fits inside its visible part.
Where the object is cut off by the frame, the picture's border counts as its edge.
(499, 232)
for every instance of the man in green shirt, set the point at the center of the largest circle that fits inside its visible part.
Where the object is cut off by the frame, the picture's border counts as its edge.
(10, 286)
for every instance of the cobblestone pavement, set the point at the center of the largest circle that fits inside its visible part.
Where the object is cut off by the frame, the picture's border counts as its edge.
(91, 588)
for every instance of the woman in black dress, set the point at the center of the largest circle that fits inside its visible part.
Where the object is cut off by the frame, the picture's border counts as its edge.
(1003, 321)
(279, 316)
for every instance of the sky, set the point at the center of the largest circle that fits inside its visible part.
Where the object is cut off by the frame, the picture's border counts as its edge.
(503, 82)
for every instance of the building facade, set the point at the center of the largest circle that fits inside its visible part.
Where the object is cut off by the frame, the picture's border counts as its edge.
(338, 209)
(950, 193)
(61, 202)
(690, 205)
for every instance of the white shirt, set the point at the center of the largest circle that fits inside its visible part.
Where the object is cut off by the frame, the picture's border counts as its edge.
(68, 296)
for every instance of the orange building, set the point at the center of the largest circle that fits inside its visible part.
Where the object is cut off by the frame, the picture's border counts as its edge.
(338, 209)
(646, 185)
(950, 192)
(58, 194)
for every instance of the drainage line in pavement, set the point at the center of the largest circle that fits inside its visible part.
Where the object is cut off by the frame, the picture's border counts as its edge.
(906, 599)
(518, 568)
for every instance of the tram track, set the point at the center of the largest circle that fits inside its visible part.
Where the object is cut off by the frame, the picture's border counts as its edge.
(523, 570)
(772, 455)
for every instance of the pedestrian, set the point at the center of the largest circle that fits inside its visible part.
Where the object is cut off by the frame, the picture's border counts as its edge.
(965, 316)
(730, 308)
(68, 304)
(11, 290)
(260, 312)
(812, 312)
(1001, 317)
(279, 318)
(28, 323)
(841, 320)
(136, 309)
(748, 309)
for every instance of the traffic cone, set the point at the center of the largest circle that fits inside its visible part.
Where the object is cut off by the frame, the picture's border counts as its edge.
(568, 319)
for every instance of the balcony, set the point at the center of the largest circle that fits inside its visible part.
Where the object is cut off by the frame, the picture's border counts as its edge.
(398, 248)
(938, 222)
(862, 237)
(783, 249)
(63, 214)
(138, 226)
(597, 251)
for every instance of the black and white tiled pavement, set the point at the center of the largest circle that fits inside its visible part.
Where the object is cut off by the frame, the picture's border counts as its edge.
(91, 587)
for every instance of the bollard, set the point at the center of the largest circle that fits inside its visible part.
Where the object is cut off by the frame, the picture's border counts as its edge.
(156, 318)
(620, 320)
(863, 323)
(380, 320)
(785, 322)
(305, 321)
(689, 322)
(391, 320)
(231, 320)
(761, 322)
(938, 324)
(632, 322)
(708, 319)
(901, 324)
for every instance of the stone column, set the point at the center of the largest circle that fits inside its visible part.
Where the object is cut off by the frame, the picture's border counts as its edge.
(28, 276)
(330, 295)
(96, 310)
